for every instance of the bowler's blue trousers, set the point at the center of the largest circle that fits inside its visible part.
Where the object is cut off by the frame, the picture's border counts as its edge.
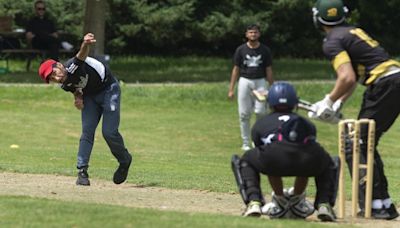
(107, 104)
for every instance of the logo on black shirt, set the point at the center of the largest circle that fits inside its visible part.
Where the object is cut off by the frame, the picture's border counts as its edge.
(82, 82)
(252, 61)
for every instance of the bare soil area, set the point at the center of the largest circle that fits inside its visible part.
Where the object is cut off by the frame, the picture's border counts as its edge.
(131, 195)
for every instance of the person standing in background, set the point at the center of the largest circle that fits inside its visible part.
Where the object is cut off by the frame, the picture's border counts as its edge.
(253, 67)
(41, 32)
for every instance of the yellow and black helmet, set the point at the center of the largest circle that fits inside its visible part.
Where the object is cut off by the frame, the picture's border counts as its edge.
(329, 12)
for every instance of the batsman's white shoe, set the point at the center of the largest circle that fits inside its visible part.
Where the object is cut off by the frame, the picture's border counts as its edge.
(246, 147)
(325, 213)
(253, 209)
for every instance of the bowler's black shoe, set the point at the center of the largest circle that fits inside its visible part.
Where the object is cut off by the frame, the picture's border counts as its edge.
(83, 177)
(122, 172)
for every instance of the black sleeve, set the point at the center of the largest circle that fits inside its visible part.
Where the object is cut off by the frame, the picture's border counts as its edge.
(237, 57)
(77, 61)
(255, 135)
(268, 57)
(74, 64)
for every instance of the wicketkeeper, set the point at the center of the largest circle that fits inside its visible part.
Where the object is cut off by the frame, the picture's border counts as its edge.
(97, 94)
(286, 145)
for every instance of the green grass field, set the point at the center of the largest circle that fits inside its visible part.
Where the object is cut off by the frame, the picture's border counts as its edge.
(31, 212)
(145, 69)
(182, 137)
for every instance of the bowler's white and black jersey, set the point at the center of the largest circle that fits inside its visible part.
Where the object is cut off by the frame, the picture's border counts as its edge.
(90, 75)
(252, 62)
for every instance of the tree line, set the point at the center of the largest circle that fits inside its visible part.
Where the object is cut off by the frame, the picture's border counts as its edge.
(209, 27)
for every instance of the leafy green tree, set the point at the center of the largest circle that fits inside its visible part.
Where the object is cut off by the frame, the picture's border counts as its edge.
(291, 31)
(67, 14)
(382, 20)
(209, 27)
(151, 24)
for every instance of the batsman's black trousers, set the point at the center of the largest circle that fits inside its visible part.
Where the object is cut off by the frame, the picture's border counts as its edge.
(287, 159)
(380, 103)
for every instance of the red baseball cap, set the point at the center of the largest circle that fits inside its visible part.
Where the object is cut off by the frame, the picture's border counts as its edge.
(46, 68)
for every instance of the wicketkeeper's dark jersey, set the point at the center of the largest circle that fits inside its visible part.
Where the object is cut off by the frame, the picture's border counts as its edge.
(347, 43)
(252, 62)
(268, 128)
(90, 75)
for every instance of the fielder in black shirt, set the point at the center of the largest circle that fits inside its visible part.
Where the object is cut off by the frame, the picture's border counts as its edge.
(252, 68)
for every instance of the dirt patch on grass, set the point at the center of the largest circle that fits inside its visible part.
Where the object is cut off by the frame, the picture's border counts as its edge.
(126, 194)
(131, 195)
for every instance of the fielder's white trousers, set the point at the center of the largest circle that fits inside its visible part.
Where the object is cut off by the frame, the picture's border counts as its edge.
(248, 104)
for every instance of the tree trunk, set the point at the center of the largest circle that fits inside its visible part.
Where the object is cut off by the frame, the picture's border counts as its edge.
(94, 22)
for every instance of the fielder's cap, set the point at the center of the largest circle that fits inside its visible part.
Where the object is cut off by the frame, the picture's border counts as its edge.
(46, 68)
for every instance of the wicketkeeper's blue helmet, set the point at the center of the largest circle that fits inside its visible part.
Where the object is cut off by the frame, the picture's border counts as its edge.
(282, 95)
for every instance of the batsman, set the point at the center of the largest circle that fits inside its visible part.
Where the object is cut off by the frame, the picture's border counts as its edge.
(286, 145)
(355, 56)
